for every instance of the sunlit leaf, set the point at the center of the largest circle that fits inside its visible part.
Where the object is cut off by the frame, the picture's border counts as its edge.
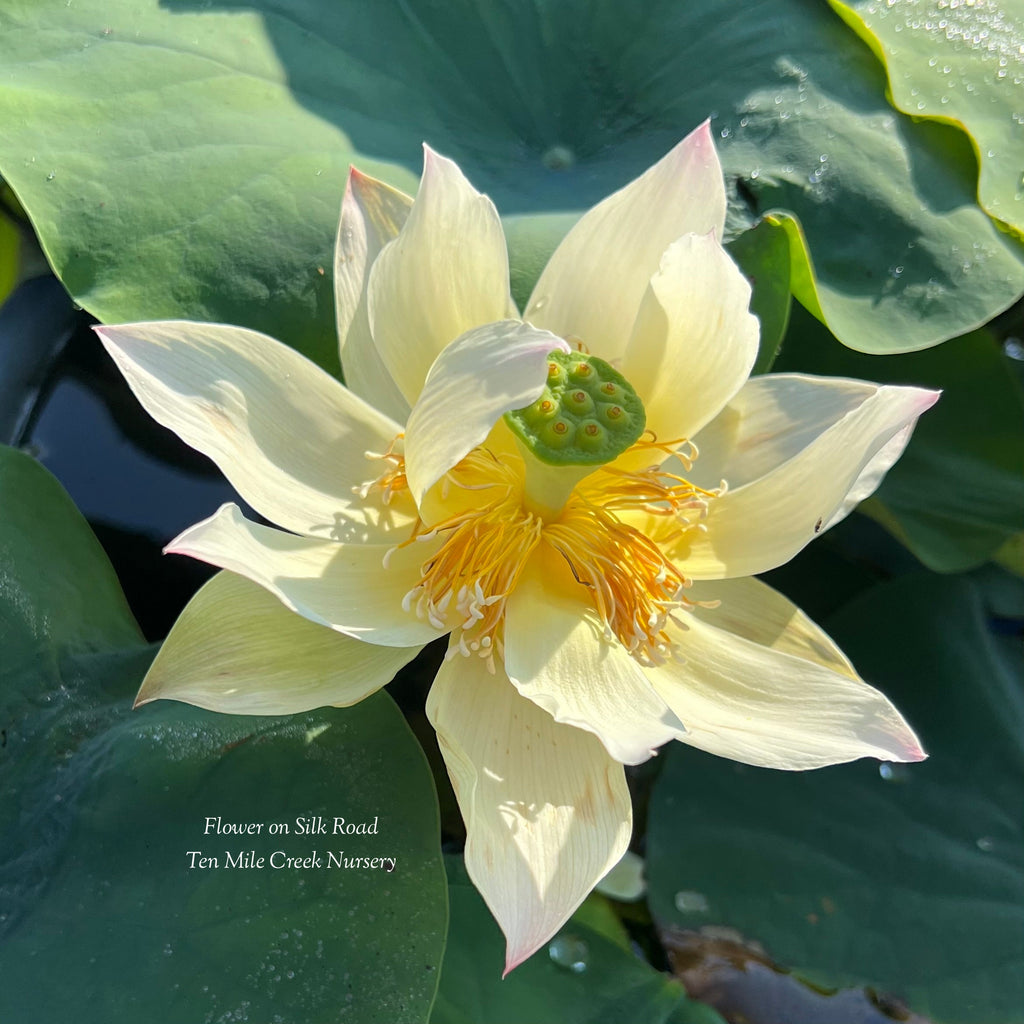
(962, 63)
(188, 158)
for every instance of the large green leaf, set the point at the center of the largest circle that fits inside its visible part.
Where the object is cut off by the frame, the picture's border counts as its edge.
(103, 918)
(962, 63)
(907, 877)
(188, 158)
(584, 977)
(956, 496)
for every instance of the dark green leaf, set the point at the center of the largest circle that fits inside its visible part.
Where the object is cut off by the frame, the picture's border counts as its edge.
(763, 255)
(103, 919)
(906, 877)
(584, 977)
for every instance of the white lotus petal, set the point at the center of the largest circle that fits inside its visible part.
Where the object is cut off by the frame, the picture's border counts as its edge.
(695, 341)
(547, 811)
(483, 374)
(445, 273)
(766, 521)
(593, 284)
(372, 214)
(758, 682)
(289, 437)
(236, 649)
(344, 586)
(557, 656)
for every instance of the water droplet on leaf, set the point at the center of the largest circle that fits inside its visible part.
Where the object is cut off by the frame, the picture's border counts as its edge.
(569, 952)
(690, 902)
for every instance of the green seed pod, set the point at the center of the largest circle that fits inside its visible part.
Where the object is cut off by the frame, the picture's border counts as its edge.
(587, 415)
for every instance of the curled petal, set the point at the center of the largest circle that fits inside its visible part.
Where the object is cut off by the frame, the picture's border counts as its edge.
(344, 586)
(473, 382)
(760, 683)
(768, 421)
(766, 520)
(445, 272)
(547, 811)
(556, 655)
(236, 649)
(288, 436)
(694, 341)
(593, 284)
(372, 214)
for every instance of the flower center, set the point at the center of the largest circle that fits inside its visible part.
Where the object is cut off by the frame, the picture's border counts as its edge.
(488, 533)
(635, 588)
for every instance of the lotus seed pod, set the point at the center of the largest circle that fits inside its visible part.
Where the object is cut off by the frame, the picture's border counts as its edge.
(587, 415)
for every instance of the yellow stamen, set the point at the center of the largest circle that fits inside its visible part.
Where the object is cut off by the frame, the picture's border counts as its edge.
(636, 590)
(392, 480)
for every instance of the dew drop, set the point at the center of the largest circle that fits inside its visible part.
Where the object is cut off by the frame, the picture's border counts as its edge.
(569, 952)
(558, 158)
(689, 902)
(893, 772)
(1014, 348)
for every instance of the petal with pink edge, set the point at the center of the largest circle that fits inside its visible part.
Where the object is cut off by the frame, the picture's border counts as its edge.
(547, 811)
(765, 521)
(593, 284)
(445, 273)
(758, 682)
(372, 214)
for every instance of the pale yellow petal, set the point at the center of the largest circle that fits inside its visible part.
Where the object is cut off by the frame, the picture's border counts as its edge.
(758, 682)
(236, 649)
(344, 586)
(764, 522)
(751, 609)
(694, 341)
(445, 273)
(372, 214)
(593, 285)
(480, 376)
(768, 421)
(547, 810)
(290, 438)
(556, 654)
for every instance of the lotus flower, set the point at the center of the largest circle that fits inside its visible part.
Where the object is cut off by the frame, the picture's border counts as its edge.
(579, 498)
